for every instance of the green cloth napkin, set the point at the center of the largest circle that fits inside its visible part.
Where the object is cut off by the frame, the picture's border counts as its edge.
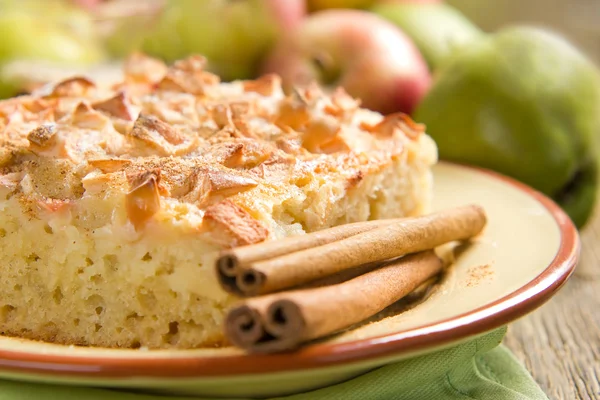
(479, 369)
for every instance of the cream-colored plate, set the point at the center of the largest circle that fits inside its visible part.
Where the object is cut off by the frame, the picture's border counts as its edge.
(527, 251)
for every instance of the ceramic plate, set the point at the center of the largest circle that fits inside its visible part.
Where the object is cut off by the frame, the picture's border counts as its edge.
(528, 250)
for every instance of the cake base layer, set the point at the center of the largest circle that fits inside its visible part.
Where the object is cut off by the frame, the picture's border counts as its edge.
(111, 287)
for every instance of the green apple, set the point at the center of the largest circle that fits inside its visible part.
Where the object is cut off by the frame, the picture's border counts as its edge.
(526, 103)
(437, 29)
(317, 5)
(45, 31)
(232, 35)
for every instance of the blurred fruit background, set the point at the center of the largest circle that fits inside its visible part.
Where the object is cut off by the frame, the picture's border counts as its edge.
(507, 85)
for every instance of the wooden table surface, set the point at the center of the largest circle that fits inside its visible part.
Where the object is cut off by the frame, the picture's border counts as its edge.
(559, 343)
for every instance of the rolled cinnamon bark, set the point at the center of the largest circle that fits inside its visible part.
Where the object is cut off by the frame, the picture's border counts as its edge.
(283, 321)
(230, 260)
(409, 235)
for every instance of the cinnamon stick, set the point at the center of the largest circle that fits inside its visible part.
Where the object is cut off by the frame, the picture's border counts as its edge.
(230, 260)
(284, 321)
(401, 237)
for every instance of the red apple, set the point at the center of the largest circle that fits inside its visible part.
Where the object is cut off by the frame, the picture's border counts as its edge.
(88, 4)
(368, 56)
(287, 14)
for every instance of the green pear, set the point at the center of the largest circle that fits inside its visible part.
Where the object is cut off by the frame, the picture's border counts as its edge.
(437, 29)
(526, 103)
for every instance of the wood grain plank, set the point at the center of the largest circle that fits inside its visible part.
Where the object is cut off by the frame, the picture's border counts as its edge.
(560, 342)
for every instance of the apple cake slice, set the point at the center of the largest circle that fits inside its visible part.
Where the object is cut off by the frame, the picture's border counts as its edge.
(115, 200)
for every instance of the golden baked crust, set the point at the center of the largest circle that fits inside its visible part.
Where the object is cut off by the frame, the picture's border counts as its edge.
(203, 141)
(173, 157)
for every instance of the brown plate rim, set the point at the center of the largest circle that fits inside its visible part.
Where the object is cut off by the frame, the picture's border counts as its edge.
(483, 319)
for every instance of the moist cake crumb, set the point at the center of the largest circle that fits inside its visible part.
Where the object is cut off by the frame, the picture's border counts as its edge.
(115, 200)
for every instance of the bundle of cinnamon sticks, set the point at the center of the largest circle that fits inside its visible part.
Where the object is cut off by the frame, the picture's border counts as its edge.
(306, 287)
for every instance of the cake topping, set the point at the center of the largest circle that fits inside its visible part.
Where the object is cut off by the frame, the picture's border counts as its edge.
(266, 85)
(160, 135)
(188, 76)
(110, 164)
(237, 227)
(73, 87)
(293, 114)
(398, 121)
(139, 68)
(84, 116)
(117, 106)
(176, 135)
(210, 183)
(143, 200)
(341, 104)
(43, 136)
